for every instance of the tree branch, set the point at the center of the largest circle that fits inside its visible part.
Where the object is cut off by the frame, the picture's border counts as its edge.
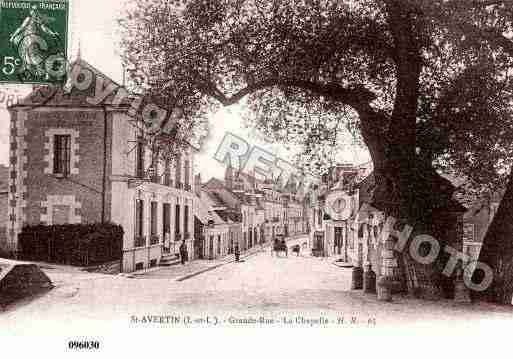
(486, 3)
(355, 96)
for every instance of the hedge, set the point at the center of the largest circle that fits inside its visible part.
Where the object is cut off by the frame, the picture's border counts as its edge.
(73, 244)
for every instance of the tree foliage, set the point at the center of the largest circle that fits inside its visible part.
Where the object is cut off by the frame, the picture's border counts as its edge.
(424, 83)
(306, 66)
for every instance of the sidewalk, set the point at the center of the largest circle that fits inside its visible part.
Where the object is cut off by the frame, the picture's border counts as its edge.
(196, 267)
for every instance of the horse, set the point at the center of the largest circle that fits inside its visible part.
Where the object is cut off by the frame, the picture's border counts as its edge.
(280, 247)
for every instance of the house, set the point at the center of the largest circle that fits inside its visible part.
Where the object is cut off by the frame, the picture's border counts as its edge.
(267, 209)
(219, 231)
(240, 199)
(476, 221)
(75, 162)
(332, 228)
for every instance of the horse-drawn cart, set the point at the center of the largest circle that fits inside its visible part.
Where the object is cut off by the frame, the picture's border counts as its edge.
(280, 245)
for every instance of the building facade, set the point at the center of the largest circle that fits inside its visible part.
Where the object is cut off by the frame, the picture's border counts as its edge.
(74, 162)
(221, 230)
(267, 209)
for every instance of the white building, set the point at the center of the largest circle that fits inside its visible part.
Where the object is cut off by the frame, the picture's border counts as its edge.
(77, 162)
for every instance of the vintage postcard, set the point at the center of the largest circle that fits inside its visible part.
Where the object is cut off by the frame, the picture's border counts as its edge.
(297, 177)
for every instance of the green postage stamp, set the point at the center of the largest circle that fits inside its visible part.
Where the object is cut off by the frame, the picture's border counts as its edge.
(34, 41)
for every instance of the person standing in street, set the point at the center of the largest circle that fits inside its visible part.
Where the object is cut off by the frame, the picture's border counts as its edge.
(167, 242)
(237, 252)
(183, 253)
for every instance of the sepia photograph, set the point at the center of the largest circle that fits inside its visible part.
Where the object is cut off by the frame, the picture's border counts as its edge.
(241, 177)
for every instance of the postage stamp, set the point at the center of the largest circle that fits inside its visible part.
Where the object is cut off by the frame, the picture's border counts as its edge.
(34, 41)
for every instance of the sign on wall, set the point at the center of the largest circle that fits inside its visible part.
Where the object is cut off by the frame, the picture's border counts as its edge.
(338, 205)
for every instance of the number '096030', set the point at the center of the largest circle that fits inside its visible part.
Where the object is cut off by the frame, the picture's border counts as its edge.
(84, 345)
(9, 65)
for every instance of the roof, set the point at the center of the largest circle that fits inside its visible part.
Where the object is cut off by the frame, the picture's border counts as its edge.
(216, 218)
(215, 184)
(58, 95)
(215, 199)
(228, 216)
(205, 209)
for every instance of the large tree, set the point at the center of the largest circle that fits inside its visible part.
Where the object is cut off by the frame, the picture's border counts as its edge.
(387, 67)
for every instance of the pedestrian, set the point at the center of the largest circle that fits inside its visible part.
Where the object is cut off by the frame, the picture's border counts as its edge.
(183, 253)
(167, 242)
(237, 252)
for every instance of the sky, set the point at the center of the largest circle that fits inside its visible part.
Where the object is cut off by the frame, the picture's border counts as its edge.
(93, 25)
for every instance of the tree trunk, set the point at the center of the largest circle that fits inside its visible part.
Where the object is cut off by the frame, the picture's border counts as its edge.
(410, 190)
(406, 186)
(497, 251)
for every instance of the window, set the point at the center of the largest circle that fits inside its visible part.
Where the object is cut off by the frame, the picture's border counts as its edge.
(186, 219)
(178, 172)
(62, 154)
(139, 266)
(139, 161)
(166, 219)
(153, 218)
(153, 223)
(177, 220)
(218, 245)
(187, 179)
(139, 217)
(167, 173)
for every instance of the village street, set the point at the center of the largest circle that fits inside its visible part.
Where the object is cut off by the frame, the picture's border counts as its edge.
(302, 289)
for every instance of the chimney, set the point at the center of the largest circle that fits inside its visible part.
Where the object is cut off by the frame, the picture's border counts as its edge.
(197, 184)
(228, 177)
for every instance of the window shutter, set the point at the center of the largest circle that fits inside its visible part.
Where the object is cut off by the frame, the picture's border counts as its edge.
(67, 156)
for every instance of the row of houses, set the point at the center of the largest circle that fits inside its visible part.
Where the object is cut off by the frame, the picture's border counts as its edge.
(75, 162)
(250, 212)
(351, 186)
(337, 229)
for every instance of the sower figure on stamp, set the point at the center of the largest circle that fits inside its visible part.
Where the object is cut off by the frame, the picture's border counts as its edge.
(183, 252)
(31, 45)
